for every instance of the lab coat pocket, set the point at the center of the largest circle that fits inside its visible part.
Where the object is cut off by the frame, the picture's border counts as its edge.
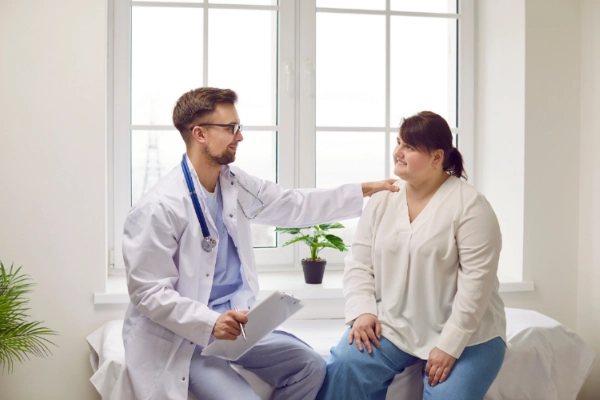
(147, 354)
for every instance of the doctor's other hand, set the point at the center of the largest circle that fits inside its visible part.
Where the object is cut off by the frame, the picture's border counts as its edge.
(438, 366)
(365, 329)
(370, 188)
(227, 326)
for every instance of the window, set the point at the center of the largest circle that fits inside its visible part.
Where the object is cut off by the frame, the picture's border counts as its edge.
(322, 86)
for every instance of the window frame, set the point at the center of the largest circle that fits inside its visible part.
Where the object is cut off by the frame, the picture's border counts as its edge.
(296, 123)
(465, 104)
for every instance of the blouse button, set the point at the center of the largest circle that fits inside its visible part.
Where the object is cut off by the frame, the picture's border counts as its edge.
(230, 215)
(232, 182)
(207, 275)
(183, 379)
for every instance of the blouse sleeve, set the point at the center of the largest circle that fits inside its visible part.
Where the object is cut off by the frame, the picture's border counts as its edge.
(359, 279)
(479, 243)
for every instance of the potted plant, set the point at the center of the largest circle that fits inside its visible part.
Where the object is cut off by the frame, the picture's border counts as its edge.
(18, 338)
(317, 238)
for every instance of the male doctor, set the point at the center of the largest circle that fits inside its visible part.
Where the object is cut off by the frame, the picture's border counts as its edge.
(189, 260)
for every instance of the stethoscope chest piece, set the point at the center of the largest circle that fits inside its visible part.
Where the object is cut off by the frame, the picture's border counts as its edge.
(208, 243)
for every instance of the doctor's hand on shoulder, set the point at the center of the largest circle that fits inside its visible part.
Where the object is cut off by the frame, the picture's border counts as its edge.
(365, 329)
(370, 188)
(227, 326)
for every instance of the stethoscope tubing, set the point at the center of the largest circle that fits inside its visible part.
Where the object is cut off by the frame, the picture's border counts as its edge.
(195, 201)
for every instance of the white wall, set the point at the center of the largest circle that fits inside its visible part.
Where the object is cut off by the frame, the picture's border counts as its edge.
(588, 307)
(559, 81)
(500, 121)
(52, 174)
(527, 110)
(552, 125)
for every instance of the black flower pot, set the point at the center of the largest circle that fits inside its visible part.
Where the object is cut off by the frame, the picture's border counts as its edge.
(313, 271)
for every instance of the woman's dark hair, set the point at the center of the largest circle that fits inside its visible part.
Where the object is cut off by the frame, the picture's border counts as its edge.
(426, 131)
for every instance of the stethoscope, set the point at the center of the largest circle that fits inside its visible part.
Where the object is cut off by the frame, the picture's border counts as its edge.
(209, 243)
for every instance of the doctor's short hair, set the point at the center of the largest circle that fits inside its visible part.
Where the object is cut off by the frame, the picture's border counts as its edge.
(199, 103)
(426, 131)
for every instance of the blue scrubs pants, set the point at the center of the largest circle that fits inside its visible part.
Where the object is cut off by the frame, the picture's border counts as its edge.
(352, 374)
(294, 369)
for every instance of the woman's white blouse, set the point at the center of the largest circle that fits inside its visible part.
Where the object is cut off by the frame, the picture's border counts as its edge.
(432, 282)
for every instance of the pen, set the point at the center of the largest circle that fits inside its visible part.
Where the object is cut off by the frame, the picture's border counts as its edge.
(242, 327)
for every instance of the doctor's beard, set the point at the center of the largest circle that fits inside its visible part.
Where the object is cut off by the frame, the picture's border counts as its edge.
(226, 157)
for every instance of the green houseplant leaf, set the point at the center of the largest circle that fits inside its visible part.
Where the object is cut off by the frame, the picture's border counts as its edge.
(316, 239)
(19, 338)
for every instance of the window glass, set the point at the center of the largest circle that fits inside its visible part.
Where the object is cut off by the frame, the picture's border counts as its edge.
(161, 37)
(245, 59)
(350, 70)
(423, 67)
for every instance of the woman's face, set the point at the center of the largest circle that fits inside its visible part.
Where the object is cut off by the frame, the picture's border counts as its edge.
(410, 164)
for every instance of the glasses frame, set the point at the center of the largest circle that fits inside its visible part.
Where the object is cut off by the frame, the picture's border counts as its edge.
(234, 128)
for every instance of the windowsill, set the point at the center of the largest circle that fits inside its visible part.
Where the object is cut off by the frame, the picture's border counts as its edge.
(291, 282)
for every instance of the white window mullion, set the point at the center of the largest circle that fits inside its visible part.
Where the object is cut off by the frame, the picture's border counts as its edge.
(205, 48)
(388, 156)
(306, 149)
(284, 257)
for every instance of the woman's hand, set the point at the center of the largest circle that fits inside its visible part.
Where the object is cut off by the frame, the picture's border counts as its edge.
(365, 329)
(438, 366)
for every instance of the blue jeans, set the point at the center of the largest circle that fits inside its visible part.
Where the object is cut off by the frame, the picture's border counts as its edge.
(285, 362)
(352, 374)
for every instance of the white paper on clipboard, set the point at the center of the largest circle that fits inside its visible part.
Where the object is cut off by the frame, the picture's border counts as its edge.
(262, 320)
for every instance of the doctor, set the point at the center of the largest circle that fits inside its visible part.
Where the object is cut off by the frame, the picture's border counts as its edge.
(190, 265)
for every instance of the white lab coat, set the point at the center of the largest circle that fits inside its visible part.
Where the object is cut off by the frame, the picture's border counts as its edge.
(169, 276)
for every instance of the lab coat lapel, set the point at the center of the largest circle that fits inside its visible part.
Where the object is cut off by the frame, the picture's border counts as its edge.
(229, 191)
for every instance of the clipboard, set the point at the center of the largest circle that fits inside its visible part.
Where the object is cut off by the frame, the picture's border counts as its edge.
(263, 319)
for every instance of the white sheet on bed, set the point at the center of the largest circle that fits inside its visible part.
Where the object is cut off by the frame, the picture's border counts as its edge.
(546, 360)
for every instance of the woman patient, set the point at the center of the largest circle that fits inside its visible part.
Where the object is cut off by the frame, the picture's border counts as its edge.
(420, 281)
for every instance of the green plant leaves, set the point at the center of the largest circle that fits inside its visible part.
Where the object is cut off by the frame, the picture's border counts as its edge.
(18, 337)
(292, 231)
(298, 239)
(317, 239)
(335, 225)
(337, 242)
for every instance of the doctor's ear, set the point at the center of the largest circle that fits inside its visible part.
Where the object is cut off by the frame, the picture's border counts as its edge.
(198, 134)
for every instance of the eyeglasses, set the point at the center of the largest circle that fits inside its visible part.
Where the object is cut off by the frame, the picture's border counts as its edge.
(233, 128)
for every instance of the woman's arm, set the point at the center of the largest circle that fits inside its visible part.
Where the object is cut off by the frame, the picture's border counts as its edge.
(359, 286)
(479, 242)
